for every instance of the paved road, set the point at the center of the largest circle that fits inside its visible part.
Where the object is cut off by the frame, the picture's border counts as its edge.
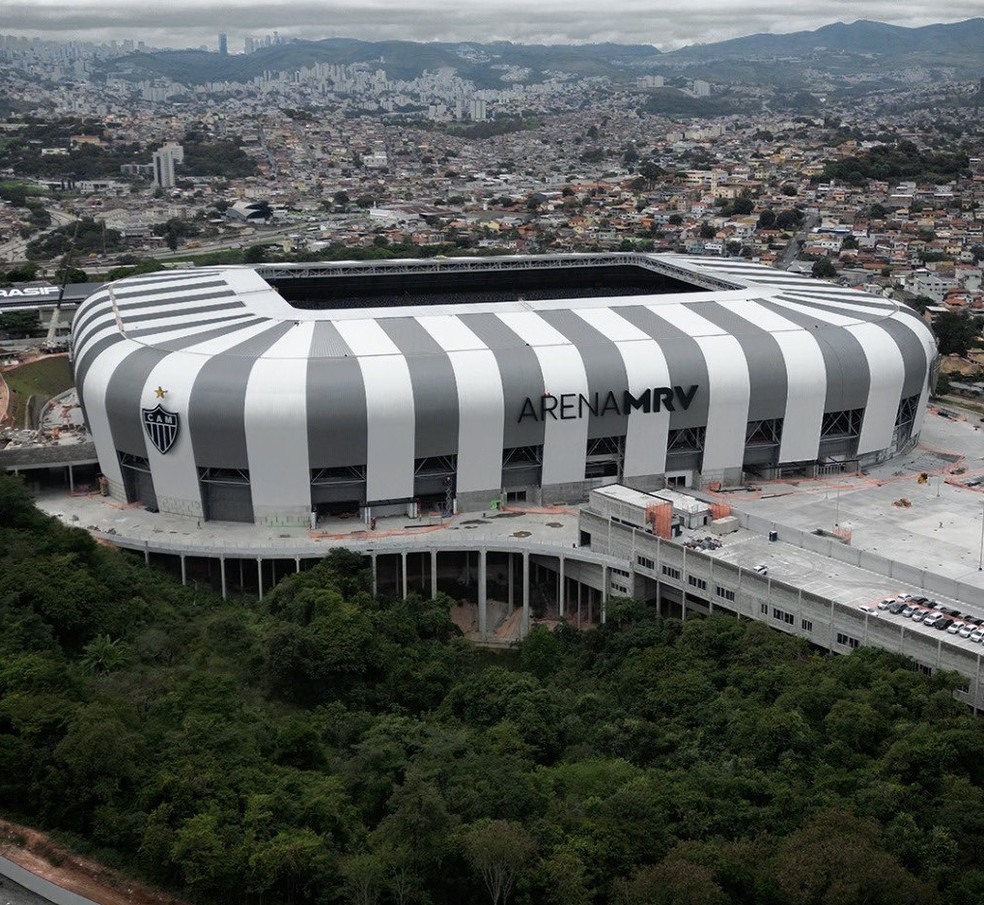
(792, 250)
(12, 893)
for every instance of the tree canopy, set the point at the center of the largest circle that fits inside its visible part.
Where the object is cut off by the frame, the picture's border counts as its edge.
(328, 746)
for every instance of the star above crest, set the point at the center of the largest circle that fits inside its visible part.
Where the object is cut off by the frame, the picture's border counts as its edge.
(160, 393)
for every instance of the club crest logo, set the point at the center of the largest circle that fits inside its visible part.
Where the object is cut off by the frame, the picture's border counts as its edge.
(161, 426)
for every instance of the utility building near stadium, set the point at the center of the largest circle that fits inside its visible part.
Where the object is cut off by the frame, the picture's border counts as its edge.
(278, 393)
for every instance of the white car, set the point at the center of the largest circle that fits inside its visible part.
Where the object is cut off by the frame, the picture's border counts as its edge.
(953, 629)
(966, 630)
(977, 635)
(868, 609)
(886, 603)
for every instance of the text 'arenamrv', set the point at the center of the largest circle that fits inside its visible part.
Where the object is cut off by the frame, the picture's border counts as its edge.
(569, 406)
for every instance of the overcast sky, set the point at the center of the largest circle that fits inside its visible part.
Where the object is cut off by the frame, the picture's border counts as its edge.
(666, 24)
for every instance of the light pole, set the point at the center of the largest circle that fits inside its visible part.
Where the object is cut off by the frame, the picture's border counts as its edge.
(980, 561)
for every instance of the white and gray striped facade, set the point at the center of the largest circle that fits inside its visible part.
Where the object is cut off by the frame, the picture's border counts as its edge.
(283, 410)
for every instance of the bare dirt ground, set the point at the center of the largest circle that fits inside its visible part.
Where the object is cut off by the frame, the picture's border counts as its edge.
(4, 399)
(35, 852)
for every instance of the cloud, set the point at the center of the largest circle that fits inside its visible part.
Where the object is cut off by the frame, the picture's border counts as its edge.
(664, 24)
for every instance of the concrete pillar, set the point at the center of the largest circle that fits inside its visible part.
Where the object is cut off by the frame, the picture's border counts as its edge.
(184, 570)
(297, 564)
(604, 593)
(223, 576)
(977, 685)
(259, 577)
(483, 616)
(403, 574)
(433, 574)
(71, 479)
(524, 625)
(375, 582)
(146, 553)
(683, 591)
(578, 604)
(509, 579)
(561, 588)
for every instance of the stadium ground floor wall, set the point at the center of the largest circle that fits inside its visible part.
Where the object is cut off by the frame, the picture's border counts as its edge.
(228, 495)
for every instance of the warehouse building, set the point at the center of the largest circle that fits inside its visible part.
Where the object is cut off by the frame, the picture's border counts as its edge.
(278, 394)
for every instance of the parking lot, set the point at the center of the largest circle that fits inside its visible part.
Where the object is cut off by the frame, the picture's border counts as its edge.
(914, 612)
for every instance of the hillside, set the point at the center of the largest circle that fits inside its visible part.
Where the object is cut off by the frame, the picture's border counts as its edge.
(323, 746)
(841, 49)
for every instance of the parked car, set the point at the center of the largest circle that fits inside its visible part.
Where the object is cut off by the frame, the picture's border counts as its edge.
(920, 615)
(886, 603)
(977, 634)
(932, 618)
(908, 611)
(954, 627)
(943, 623)
(966, 630)
(896, 608)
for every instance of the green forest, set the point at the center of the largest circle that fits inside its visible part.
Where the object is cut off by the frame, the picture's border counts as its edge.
(325, 746)
(903, 160)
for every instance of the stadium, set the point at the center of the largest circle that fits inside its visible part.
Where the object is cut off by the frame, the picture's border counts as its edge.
(281, 394)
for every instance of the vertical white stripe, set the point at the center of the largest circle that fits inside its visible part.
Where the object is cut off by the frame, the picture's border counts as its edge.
(728, 387)
(565, 439)
(645, 367)
(480, 403)
(389, 409)
(176, 472)
(926, 340)
(887, 372)
(806, 380)
(276, 430)
(94, 397)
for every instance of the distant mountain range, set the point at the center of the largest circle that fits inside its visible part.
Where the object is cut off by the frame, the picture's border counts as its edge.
(842, 50)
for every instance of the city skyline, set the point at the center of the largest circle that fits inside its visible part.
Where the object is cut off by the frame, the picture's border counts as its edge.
(186, 24)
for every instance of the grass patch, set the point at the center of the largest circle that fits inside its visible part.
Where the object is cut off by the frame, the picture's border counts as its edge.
(43, 379)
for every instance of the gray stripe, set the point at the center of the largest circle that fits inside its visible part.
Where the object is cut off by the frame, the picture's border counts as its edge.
(124, 290)
(337, 421)
(82, 341)
(217, 405)
(848, 377)
(521, 376)
(90, 300)
(840, 295)
(80, 324)
(170, 313)
(165, 304)
(910, 348)
(222, 324)
(435, 390)
(85, 356)
(768, 381)
(603, 366)
(227, 326)
(81, 367)
(123, 400)
(684, 359)
(165, 276)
